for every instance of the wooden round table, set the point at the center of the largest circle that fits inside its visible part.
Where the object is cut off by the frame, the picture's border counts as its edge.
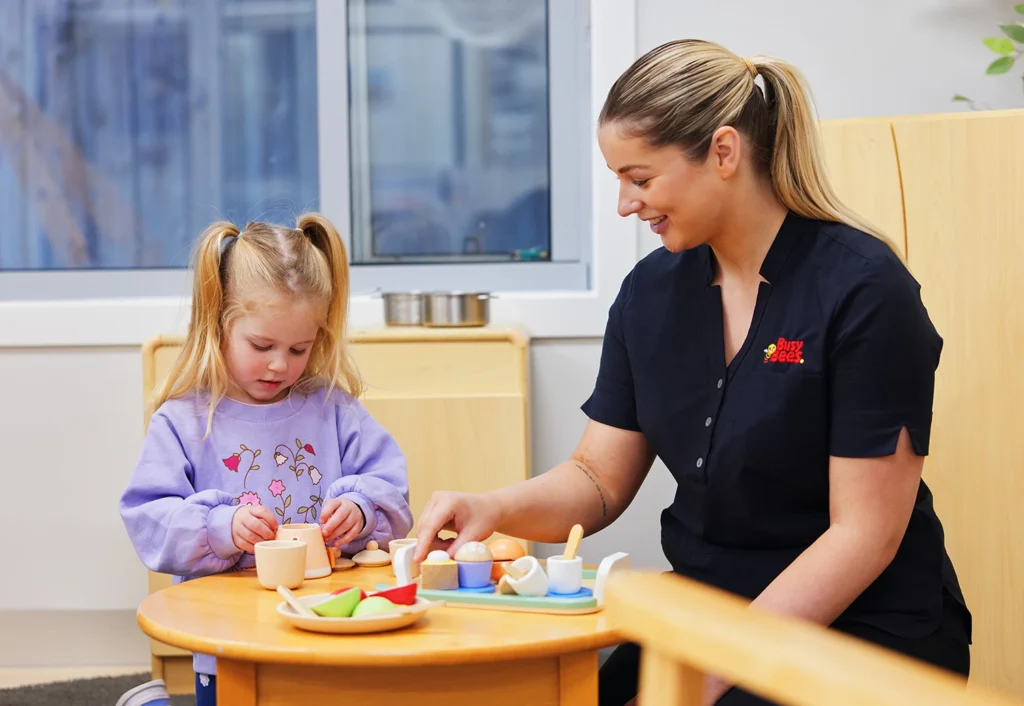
(451, 656)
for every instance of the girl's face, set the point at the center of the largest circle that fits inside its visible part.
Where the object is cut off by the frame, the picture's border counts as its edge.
(266, 350)
(681, 201)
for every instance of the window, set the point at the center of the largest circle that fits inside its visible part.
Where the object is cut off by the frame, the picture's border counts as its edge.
(448, 138)
(130, 126)
(58, 308)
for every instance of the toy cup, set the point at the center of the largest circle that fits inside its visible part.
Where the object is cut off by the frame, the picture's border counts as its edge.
(280, 563)
(394, 545)
(533, 581)
(565, 576)
(317, 563)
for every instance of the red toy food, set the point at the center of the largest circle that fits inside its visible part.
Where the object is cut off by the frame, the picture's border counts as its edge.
(399, 595)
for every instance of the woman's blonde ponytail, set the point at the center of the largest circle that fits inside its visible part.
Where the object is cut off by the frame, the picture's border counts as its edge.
(798, 171)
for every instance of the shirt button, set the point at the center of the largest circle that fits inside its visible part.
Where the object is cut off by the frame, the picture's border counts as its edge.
(720, 382)
(707, 422)
(700, 462)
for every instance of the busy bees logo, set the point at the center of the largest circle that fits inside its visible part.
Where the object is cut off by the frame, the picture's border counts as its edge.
(783, 351)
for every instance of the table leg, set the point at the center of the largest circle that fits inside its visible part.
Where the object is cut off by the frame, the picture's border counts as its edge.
(577, 679)
(236, 683)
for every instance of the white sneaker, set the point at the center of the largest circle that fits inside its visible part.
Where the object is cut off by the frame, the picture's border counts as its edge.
(152, 693)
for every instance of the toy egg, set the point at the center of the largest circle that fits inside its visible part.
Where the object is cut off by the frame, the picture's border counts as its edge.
(504, 550)
(473, 551)
(438, 555)
(475, 564)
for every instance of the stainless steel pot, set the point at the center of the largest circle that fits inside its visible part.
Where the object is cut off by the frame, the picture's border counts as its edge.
(450, 309)
(403, 308)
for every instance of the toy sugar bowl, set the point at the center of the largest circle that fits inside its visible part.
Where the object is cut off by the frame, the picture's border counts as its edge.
(475, 562)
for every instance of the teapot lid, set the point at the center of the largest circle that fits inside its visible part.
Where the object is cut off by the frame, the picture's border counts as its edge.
(373, 555)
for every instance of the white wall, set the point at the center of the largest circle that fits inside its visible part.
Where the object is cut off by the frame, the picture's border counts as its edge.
(868, 58)
(70, 422)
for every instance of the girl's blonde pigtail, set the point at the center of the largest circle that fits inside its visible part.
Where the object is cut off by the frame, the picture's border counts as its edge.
(332, 360)
(201, 362)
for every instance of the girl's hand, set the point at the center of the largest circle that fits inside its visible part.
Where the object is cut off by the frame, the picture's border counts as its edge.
(252, 524)
(341, 520)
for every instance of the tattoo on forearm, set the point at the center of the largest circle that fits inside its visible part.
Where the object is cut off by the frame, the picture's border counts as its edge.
(604, 506)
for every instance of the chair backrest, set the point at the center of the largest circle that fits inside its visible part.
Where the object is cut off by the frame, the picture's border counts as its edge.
(456, 401)
(950, 186)
(687, 630)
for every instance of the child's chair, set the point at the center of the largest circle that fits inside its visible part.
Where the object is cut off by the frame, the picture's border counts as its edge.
(456, 401)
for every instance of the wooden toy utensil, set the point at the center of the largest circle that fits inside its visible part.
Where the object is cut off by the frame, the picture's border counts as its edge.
(513, 571)
(295, 603)
(575, 535)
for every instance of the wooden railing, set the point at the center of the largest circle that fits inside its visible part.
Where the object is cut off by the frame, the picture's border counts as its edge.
(687, 630)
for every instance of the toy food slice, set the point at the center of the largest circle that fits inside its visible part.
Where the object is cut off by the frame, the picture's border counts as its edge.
(399, 595)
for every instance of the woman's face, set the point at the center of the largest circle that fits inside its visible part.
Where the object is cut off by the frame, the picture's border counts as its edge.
(681, 201)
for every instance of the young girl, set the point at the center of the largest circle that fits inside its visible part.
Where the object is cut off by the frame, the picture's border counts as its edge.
(257, 424)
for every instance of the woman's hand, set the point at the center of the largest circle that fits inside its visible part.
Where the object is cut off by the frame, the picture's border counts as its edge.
(341, 521)
(473, 517)
(252, 524)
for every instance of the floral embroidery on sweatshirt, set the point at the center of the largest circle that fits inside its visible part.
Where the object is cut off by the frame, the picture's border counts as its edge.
(249, 498)
(243, 461)
(283, 454)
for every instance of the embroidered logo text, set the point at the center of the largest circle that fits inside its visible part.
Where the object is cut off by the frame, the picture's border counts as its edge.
(783, 351)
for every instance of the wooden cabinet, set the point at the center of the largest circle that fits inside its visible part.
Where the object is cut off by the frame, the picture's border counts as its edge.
(456, 401)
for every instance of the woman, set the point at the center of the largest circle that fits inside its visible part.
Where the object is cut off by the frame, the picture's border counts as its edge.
(775, 354)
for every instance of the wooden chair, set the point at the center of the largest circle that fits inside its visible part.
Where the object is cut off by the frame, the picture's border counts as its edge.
(687, 630)
(456, 401)
(949, 186)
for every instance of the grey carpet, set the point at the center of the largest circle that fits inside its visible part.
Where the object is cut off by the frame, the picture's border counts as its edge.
(104, 691)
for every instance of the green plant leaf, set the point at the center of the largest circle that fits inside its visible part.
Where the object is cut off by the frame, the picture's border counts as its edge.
(298, 444)
(314, 498)
(302, 510)
(288, 501)
(313, 510)
(1020, 9)
(298, 473)
(964, 99)
(1000, 45)
(1014, 32)
(299, 458)
(279, 511)
(1000, 66)
(288, 521)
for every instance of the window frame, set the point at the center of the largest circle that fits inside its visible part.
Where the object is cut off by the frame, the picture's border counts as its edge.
(339, 98)
(549, 313)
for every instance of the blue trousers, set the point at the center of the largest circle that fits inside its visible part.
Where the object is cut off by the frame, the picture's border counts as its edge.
(206, 690)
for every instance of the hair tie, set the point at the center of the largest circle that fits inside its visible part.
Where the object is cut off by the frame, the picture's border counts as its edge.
(226, 243)
(750, 66)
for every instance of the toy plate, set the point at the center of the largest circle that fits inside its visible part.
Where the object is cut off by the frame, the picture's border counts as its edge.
(379, 622)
